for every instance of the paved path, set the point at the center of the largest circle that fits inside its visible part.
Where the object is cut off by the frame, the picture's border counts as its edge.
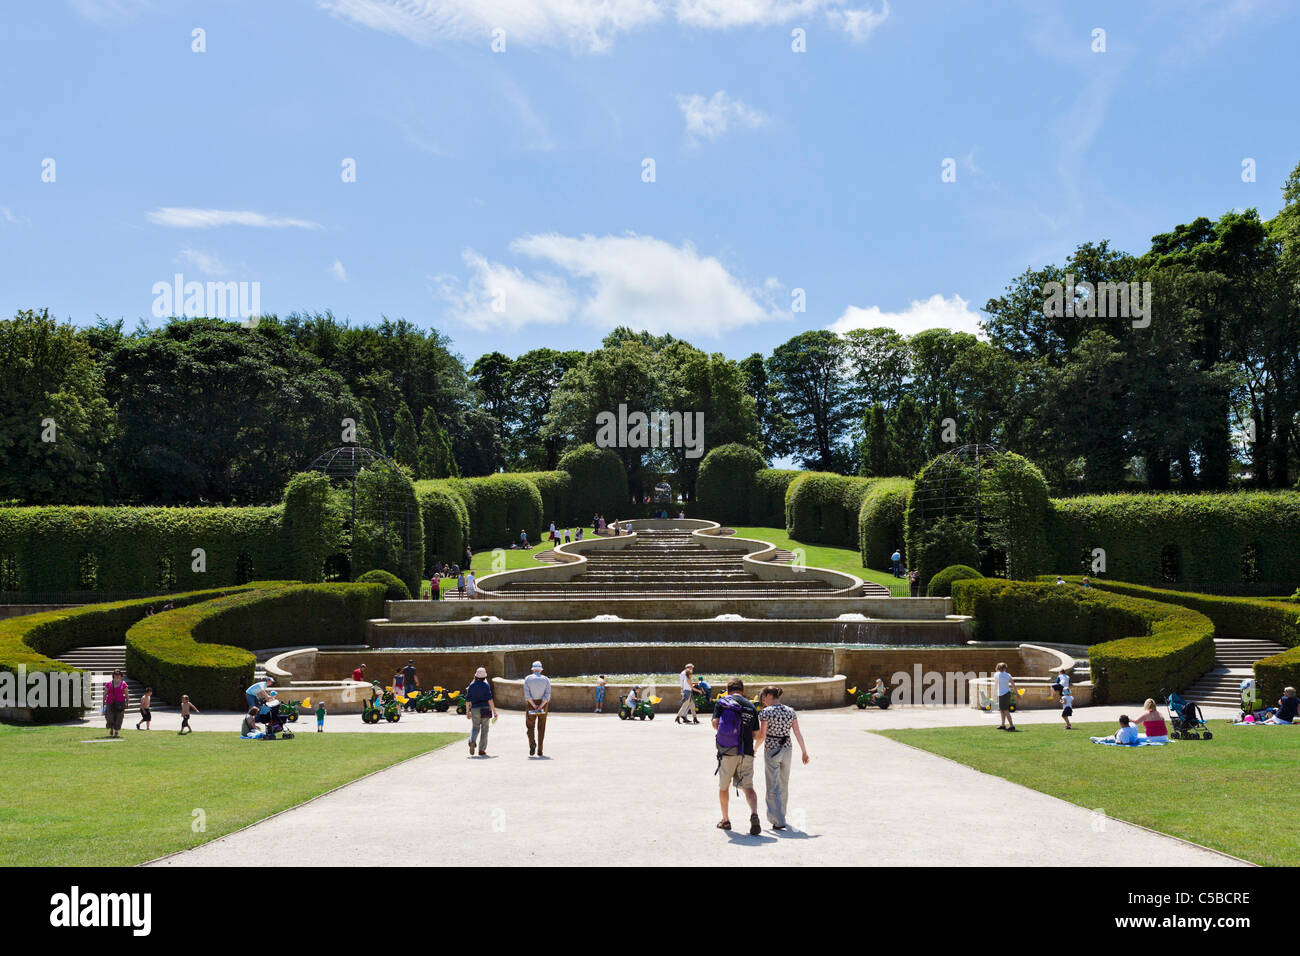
(641, 793)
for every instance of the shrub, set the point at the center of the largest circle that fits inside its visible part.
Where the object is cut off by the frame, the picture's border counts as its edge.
(941, 583)
(881, 519)
(312, 526)
(724, 487)
(597, 482)
(553, 486)
(822, 508)
(446, 521)
(394, 589)
(767, 504)
(203, 650)
(499, 506)
(1245, 538)
(1138, 647)
(387, 532)
(32, 640)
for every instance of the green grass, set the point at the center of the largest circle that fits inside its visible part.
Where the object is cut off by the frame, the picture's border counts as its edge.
(68, 803)
(482, 566)
(1233, 793)
(848, 560)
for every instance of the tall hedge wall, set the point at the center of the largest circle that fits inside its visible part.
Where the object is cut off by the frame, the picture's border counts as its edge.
(203, 650)
(499, 506)
(1245, 617)
(724, 487)
(597, 483)
(446, 522)
(1137, 647)
(553, 486)
(1239, 537)
(767, 504)
(881, 521)
(822, 508)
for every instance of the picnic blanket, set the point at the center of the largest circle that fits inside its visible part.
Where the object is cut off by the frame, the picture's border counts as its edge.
(1262, 723)
(255, 736)
(1141, 742)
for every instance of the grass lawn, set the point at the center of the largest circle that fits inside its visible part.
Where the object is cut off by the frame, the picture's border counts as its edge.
(1230, 793)
(68, 803)
(848, 560)
(482, 566)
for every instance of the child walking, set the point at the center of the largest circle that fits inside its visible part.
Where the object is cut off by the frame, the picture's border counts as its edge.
(1067, 708)
(186, 709)
(320, 717)
(146, 715)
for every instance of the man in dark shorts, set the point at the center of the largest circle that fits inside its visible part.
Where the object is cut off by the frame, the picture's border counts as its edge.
(1004, 685)
(409, 684)
(146, 712)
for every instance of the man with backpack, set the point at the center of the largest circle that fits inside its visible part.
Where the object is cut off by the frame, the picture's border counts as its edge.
(736, 719)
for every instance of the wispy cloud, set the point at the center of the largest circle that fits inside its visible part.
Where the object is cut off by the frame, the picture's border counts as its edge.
(633, 280)
(205, 262)
(101, 11)
(338, 271)
(587, 25)
(711, 118)
(8, 216)
(182, 217)
(936, 312)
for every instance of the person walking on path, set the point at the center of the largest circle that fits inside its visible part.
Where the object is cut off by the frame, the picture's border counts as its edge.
(1004, 686)
(460, 584)
(146, 713)
(537, 699)
(409, 682)
(471, 584)
(481, 709)
(115, 699)
(776, 722)
(735, 719)
(897, 559)
(688, 697)
(187, 708)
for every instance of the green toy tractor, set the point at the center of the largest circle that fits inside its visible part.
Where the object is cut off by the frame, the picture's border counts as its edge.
(644, 709)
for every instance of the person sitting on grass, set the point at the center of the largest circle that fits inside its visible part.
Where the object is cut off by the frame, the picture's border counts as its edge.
(1127, 733)
(1152, 724)
(249, 727)
(1287, 707)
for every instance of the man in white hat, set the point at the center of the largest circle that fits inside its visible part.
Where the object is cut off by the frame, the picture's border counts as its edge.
(481, 710)
(537, 699)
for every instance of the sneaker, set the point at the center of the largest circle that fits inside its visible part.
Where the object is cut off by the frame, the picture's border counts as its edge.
(755, 828)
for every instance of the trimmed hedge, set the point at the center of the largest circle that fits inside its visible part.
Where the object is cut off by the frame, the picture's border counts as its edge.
(1220, 538)
(394, 589)
(1239, 617)
(388, 532)
(597, 483)
(941, 584)
(725, 485)
(767, 504)
(446, 522)
(33, 639)
(822, 508)
(499, 506)
(881, 521)
(553, 486)
(1137, 647)
(203, 650)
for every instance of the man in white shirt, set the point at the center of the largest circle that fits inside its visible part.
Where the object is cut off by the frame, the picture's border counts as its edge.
(688, 697)
(537, 700)
(1004, 684)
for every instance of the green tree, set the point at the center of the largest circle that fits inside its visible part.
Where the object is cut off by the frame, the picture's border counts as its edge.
(807, 378)
(406, 443)
(436, 458)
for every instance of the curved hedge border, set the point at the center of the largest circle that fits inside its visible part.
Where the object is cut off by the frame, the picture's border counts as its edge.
(822, 508)
(204, 649)
(1138, 647)
(881, 521)
(725, 482)
(1239, 617)
(767, 504)
(33, 639)
(1212, 532)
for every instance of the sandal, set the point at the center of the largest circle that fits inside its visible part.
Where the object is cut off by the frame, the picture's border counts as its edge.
(724, 825)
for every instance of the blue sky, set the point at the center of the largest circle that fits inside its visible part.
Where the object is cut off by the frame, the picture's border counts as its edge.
(499, 196)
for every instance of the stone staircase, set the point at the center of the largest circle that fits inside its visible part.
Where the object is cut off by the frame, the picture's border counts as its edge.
(1234, 660)
(101, 662)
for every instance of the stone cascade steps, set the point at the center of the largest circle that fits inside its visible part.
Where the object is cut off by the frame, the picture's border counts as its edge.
(1234, 661)
(101, 662)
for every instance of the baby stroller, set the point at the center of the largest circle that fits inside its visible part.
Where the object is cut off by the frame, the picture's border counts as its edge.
(275, 722)
(1187, 720)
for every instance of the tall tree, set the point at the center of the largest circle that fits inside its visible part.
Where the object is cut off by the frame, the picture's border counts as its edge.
(807, 377)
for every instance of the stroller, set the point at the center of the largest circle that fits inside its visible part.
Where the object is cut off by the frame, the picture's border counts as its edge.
(275, 722)
(1187, 720)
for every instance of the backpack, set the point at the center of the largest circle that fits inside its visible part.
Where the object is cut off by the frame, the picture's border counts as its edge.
(736, 722)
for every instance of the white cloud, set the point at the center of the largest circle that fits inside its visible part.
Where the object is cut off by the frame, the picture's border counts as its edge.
(711, 118)
(632, 280)
(338, 271)
(205, 262)
(8, 216)
(586, 25)
(103, 10)
(935, 312)
(181, 217)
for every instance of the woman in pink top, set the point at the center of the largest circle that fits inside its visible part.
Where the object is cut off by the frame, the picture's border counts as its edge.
(115, 694)
(1152, 724)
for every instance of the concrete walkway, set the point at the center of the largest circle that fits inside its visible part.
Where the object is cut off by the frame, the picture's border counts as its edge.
(641, 793)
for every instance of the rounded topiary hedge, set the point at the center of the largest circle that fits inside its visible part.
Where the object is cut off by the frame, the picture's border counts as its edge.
(203, 650)
(394, 589)
(881, 521)
(822, 508)
(941, 584)
(597, 482)
(767, 503)
(446, 522)
(500, 506)
(1138, 648)
(724, 487)
(553, 486)
(1246, 537)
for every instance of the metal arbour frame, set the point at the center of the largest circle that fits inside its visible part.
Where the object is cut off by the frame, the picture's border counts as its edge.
(386, 504)
(956, 486)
